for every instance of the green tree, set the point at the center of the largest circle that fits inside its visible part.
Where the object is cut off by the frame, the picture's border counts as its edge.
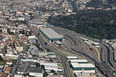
(1, 59)
(37, 64)
(52, 71)
(45, 74)
(43, 67)
(45, 43)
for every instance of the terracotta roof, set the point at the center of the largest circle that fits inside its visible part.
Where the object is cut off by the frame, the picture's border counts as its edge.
(9, 61)
(4, 75)
(8, 69)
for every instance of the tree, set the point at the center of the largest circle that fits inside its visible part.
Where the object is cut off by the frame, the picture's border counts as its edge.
(1, 59)
(95, 24)
(11, 65)
(48, 49)
(45, 43)
(37, 64)
(45, 74)
(42, 66)
(51, 60)
(30, 14)
(52, 71)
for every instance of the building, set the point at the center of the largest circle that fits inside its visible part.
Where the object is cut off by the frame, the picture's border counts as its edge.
(36, 72)
(23, 68)
(9, 62)
(16, 75)
(34, 50)
(83, 67)
(32, 39)
(8, 69)
(71, 58)
(4, 75)
(51, 35)
(95, 44)
(79, 61)
(51, 66)
(1, 69)
(18, 47)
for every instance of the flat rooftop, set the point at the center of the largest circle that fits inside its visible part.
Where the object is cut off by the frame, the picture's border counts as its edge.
(79, 60)
(35, 69)
(88, 65)
(72, 57)
(50, 33)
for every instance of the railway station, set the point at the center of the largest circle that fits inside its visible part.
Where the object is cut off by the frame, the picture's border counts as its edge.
(51, 35)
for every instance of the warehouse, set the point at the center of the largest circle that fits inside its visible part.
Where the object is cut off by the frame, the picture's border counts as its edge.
(50, 34)
(79, 61)
(71, 58)
(86, 67)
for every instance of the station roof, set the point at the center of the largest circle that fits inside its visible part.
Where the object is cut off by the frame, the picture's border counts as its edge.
(50, 33)
(70, 57)
(88, 65)
(78, 60)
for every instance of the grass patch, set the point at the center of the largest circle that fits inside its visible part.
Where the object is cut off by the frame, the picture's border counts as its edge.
(3, 62)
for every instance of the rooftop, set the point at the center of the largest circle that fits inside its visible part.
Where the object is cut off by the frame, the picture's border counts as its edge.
(79, 60)
(88, 65)
(4, 75)
(72, 57)
(50, 33)
(35, 69)
(8, 69)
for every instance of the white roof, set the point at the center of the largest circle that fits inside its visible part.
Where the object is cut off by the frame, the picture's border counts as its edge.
(82, 65)
(51, 68)
(18, 76)
(79, 60)
(50, 33)
(31, 37)
(48, 64)
(58, 42)
(72, 57)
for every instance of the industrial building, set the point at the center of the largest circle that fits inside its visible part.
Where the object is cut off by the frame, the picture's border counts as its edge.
(50, 34)
(79, 61)
(81, 67)
(32, 39)
(51, 66)
(95, 44)
(71, 58)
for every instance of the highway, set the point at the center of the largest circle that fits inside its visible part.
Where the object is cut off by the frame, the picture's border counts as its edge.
(108, 56)
(82, 48)
(75, 45)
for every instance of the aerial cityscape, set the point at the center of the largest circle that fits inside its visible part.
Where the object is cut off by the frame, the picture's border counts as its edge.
(57, 38)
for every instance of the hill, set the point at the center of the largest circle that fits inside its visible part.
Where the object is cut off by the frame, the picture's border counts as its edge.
(96, 24)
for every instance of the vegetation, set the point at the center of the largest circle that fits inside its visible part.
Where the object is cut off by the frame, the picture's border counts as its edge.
(1, 59)
(52, 71)
(96, 24)
(45, 74)
(42, 66)
(101, 3)
(45, 43)
(37, 64)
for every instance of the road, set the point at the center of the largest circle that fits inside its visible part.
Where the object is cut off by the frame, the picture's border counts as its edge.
(108, 56)
(83, 49)
(16, 67)
(52, 48)
(75, 45)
